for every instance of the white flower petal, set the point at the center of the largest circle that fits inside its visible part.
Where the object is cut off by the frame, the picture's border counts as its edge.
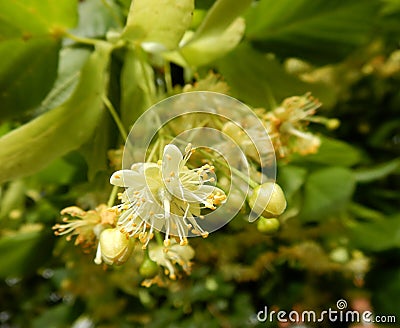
(201, 193)
(170, 162)
(127, 178)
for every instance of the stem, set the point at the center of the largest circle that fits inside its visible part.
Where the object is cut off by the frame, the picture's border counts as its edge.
(113, 13)
(168, 77)
(153, 150)
(78, 39)
(158, 238)
(113, 194)
(270, 98)
(149, 84)
(240, 174)
(115, 116)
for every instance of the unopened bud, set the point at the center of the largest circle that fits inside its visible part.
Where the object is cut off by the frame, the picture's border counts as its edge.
(268, 226)
(148, 268)
(332, 123)
(233, 130)
(115, 246)
(268, 200)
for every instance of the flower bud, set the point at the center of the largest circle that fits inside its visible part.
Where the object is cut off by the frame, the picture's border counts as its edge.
(268, 226)
(234, 131)
(268, 200)
(148, 268)
(332, 123)
(115, 246)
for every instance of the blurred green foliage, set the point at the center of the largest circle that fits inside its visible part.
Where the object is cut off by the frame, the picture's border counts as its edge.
(62, 61)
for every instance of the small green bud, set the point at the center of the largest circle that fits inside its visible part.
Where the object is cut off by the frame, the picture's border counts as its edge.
(268, 226)
(332, 123)
(340, 255)
(268, 200)
(148, 268)
(115, 246)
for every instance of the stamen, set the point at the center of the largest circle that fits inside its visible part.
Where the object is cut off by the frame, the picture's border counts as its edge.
(98, 259)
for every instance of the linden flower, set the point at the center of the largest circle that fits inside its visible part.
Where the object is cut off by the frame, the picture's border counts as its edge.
(287, 125)
(168, 257)
(86, 226)
(165, 196)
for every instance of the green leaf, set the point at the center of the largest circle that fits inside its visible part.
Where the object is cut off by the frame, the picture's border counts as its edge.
(161, 23)
(326, 191)
(58, 316)
(255, 78)
(377, 236)
(95, 150)
(333, 151)
(384, 286)
(138, 89)
(363, 212)
(60, 171)
(220, 16)
(378, 171)
(96, 18)
(320, 31)
(220, 32)
(36, 17)
(23, 252)
(12, 198)
(30, 31)
(70, 64)
(291, 178)
(208, 47)
(34, 145)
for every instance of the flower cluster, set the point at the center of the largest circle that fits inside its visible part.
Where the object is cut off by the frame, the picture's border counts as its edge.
(167, 196)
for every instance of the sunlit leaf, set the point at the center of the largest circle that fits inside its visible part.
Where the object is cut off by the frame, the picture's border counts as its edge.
(70, 64)
(138, 91)
(34, 145)
(96, 18)
(161, 23)
(219, 32)
(30, 38)
(95, 150)
(210, 46)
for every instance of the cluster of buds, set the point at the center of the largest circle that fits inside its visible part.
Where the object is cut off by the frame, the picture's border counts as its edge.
(268, 201)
